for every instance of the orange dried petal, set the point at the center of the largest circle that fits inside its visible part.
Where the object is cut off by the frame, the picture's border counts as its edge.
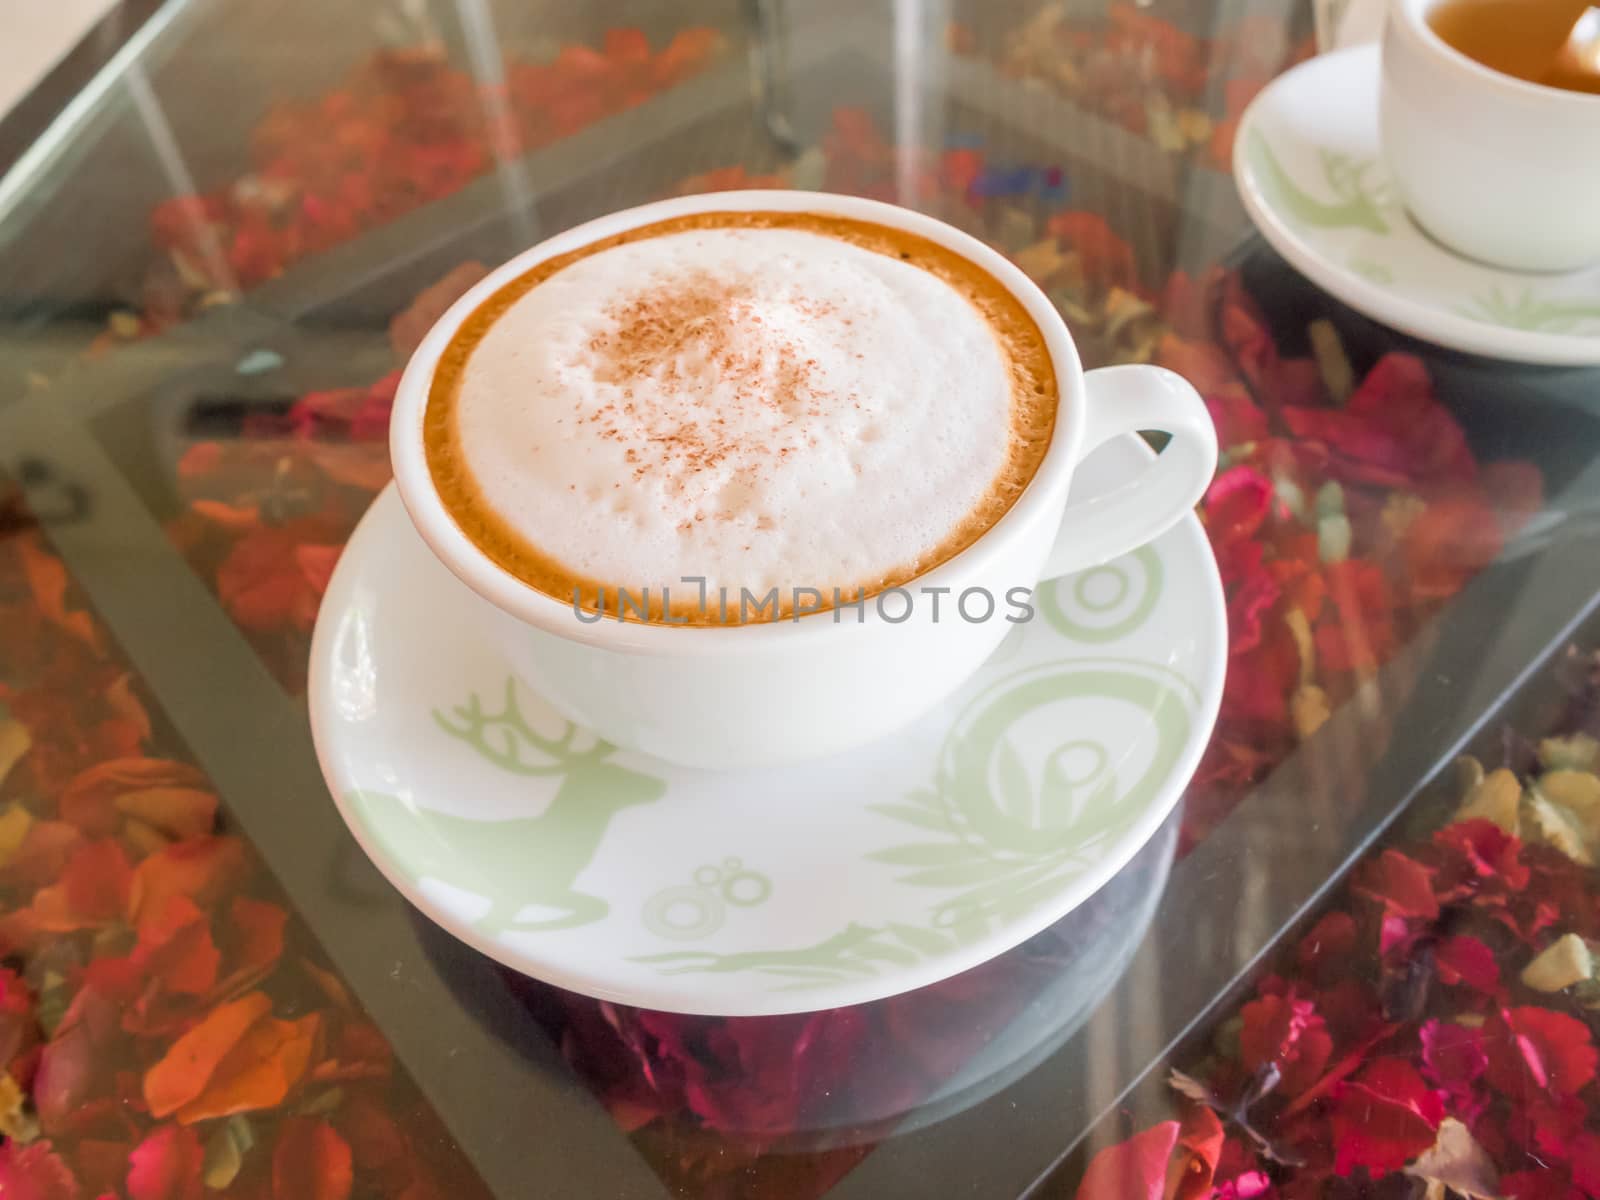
(254, 945)
(236, 518)
(175, 948)
(47, 580)
(259, 1071)
(177, 812)
(89, 801)
(204, 869)
(188, 1066)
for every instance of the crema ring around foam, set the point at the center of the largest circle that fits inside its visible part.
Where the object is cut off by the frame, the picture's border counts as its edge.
(757, 400)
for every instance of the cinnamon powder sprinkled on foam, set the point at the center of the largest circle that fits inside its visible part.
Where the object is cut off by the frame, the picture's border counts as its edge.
(700, 316)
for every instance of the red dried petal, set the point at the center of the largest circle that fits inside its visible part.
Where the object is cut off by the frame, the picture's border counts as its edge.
(1450, 541)
(1392, 432)
(1107, 258)
(1386, 1116)
(311, 1162)
(1193, 1167)
(175, 948)
(19, 1026)
(1132, 1170)
(1213, 375)
(316, 566)
(263, 584)
(1251, 593)
(203, 869)
(1533, 1049)
(627, 47)
(1482, 851)
(1453, 1056)
(1237, 419)
(1466, 960)
(959, 168)
(1583, 1158)
(378, 1147)
(1288, 1031)
(1402, 885)
(1237, 504)
(36, 1172)
(93, 890)
(166, 1166)
(359, 1051)
(253, 943)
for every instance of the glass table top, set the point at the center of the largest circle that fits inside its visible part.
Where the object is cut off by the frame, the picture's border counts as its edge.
(1358, 948)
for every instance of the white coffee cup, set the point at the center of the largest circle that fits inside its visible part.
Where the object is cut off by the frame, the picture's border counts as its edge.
(1495, 167)
(780, 691)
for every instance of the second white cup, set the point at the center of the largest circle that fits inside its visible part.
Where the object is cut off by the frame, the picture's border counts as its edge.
(1496, 168)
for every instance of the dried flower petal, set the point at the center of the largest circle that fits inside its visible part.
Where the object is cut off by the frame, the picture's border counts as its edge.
(166, 1166)
(1288, 1033)
(1454, 1059)
(1456, 1161)
(181, 1076)
(259, 1071)
(1468, 961)
(203, 869)
(36, 1172)
(1537, 1049)
(1402, 885)
(1498, 798)
(1385, 1117)
(1559, 965)
(1132, 1170)
(311, 1162)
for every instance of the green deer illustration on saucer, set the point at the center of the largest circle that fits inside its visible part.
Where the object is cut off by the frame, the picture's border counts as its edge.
(524, 861)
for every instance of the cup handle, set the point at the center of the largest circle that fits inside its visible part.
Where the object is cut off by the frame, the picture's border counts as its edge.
(1128, 399)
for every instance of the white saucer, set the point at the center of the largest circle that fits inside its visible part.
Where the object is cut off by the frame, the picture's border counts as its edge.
(1310, 171)
(759, 892)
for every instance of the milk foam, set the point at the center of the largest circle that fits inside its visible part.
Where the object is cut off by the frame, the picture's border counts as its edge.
(765, 407)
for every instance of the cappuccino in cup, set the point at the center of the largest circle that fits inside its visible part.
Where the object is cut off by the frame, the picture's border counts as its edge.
(770, 393)
(760, 401)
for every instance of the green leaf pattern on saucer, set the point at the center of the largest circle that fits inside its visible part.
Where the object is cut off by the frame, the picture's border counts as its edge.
(1527, 310)
(1357, 203)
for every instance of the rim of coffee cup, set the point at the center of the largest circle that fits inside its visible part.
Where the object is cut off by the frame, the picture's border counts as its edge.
(499, 587)
(1409, 18)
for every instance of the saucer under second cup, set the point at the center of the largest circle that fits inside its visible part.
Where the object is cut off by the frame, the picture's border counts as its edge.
(1309, 166)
